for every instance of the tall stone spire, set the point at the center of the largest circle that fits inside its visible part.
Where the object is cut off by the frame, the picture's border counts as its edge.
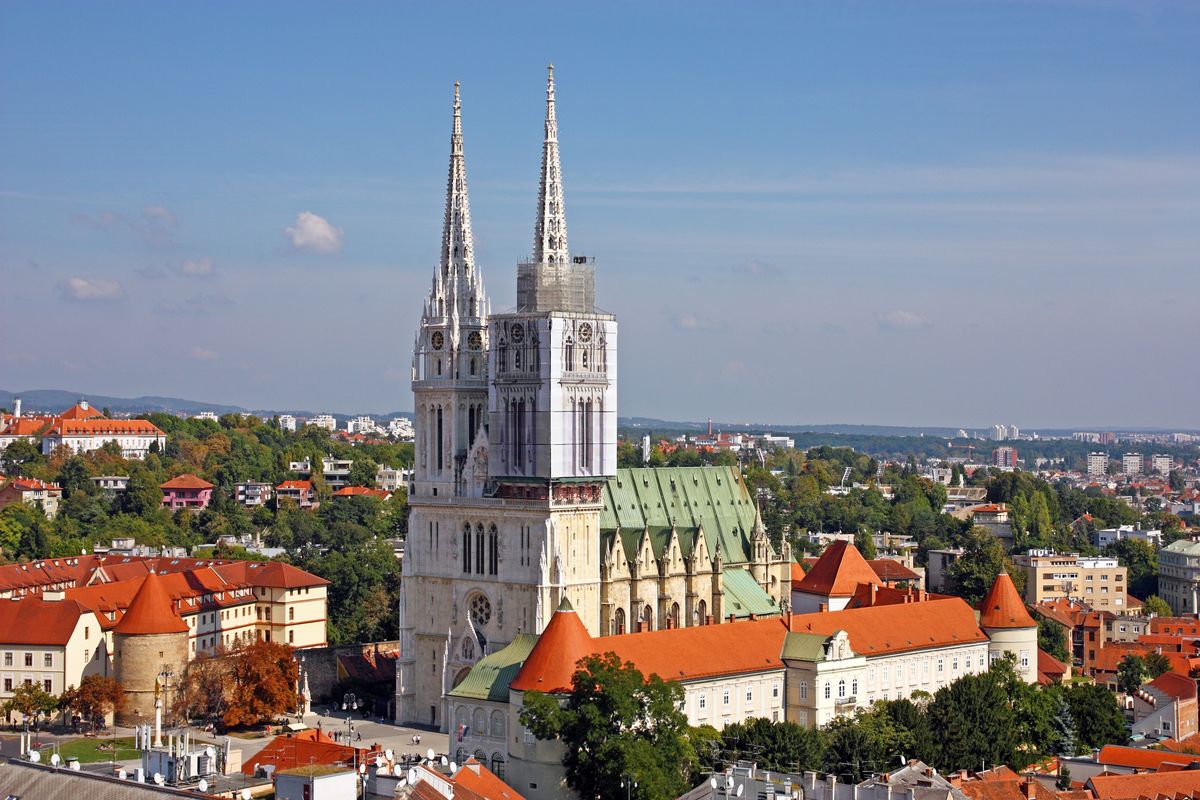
(458, 248)
(550, 232)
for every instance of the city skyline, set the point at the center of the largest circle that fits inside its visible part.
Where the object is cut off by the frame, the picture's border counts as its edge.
(958, 270)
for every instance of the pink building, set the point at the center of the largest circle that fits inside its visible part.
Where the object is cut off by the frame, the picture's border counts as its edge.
(186, 491)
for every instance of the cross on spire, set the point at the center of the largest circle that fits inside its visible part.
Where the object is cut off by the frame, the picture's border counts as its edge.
(550, 231)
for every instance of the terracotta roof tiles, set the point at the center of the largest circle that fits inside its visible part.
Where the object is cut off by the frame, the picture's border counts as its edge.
(151, 611)
(838, 572)
(1003, 607)
(186, 481)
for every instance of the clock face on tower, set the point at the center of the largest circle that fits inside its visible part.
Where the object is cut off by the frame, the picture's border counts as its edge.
(585, 332)
(517, 333)
(438, 340)
(475, 341)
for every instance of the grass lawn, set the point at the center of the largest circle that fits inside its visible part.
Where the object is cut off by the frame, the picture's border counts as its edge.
(87, 750)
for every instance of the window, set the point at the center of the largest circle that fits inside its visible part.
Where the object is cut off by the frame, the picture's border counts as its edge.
(29, 659)
(48, 660)
(703, 701)
(48, 685)
(725, 697)
(1024, 659)
(854, 687)
(291, 637)
(941, 666)
(954, 664)
(841, 689)
(749, 695)
(803, 690)
(775, 689)
(827, 690)
(8, 659)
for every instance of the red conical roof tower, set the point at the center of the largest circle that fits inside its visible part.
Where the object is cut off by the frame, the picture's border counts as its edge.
(151, 611)
(838, 572)
(1003, 607)
(551, 663)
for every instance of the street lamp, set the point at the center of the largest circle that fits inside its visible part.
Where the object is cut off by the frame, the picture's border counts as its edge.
(628, 784)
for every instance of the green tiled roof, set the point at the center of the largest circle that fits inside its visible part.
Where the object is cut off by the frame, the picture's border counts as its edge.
(491, 675)
(712, 500)
(804, 646)
(743, 596)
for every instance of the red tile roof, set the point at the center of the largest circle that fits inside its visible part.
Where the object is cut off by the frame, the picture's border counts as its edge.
(891, 570)
(1050, 669)
(186, 481)
(80, 411)
(897, 628)
(305, 485)
(1172, 684)
(989, 508)
(34, 621)
(1112, 755)
(474, 781)
(797, 574)
(551, 664)
(302, 749)
(362, 491)
(1147, 784)
(838, 572)
(93, 427)
(25, 426)
(1003, 607)
(151, 611)
(33, 484)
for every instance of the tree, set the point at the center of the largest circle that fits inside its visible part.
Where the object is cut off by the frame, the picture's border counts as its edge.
(1053, 639)
(95, 698)
(1098, 718)
(983, 558)
(1141, 559)
(616, 722)
(261, 683)
(862, 745)
(32, 701)
(1131, 673)
(201, 691)
(19, 456)
(1156, 664)
(1156, 606)
(777, 746)
(975, 722)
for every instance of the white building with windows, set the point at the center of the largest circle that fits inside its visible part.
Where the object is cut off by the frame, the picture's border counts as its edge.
(287, 423)
(134, 436)
(1132, 464)
(1097, 465)
(1162, 464)
(325, 421)
(50, 642)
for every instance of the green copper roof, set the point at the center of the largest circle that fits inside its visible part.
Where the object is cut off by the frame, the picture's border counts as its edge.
(743, 596)
(491, 675)
(804, 646)
(712, 500)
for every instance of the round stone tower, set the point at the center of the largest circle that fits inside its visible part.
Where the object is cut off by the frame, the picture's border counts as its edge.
(1009, 626)
(150, 639)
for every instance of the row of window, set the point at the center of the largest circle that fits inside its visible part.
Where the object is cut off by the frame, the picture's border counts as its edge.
(473, 553)
(47, 684)
(727, 696)
(47, 659)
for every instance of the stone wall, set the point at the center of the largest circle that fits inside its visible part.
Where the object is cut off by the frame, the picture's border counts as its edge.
(321, 664)
(138, 662)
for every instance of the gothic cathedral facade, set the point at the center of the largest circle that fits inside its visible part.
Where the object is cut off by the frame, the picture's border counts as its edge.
(516, 501)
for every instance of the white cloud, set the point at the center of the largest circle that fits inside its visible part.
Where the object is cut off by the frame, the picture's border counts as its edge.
(155, 225)
(200, 266)
(313, 232)
(89, 289)
(203, 353)
(899, 320)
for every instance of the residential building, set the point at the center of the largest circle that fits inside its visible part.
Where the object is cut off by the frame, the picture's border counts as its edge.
(993, 517)
(111, 484)
(833, 580)
(1097, 465)
(401, 428)
(31, 491)
(18, 428)
(253, 494)
(336, 471)
(392, 478)
(1131, 464)
(1165, 707)
(937, 567)
(999, 433)
(1100, 582)
(1179, 575)
(287, 422)
(299, 492)
(325, 421)
(186, 491)
(134, 436)
(210, 416)
(50, 642)
(471, 781)
(1103, 537)
(361, 424)
(1004, 457)
(1162, 464)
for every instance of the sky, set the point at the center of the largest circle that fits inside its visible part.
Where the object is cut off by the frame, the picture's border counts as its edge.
(916, 213)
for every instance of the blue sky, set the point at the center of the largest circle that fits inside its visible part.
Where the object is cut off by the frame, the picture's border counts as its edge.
(891, 213)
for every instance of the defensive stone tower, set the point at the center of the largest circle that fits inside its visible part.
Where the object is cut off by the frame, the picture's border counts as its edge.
(149, 640)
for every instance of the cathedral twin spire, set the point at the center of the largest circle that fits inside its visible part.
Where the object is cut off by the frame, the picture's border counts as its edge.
(550, 231)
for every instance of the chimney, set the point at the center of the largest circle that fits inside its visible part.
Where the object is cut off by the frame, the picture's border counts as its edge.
(1030, 789)
(732, 618)
(753, 617)
(16, 406)
(870, 594)
(823, 607)
(710, 620)
(643, 626)
(83, 404)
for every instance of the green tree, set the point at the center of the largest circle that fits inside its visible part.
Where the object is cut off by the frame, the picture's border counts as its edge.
(1053, 639)
(1066, 738)
(1156, 606)
(19, 457)
(983, 558)
(1156, 664)
(975, 722)
(777, 746)
(860, 746)
(1131, 673)
(1098, 718)
(1142, 561)
(31, 701)
(615, 723)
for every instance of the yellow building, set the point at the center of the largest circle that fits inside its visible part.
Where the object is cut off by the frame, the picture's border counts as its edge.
(1101, 582)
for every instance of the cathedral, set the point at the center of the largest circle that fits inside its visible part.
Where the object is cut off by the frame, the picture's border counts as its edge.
(516, 501)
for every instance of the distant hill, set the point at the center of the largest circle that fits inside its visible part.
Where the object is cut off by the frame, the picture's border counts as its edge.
(54, 400)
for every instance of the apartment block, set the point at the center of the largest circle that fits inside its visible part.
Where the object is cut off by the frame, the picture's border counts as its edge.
(1097, 581)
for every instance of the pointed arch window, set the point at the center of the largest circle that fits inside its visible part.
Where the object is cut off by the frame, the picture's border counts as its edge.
(493, 550)
(619, 621)
(569, 354)
(479, 549)
(466, 546)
